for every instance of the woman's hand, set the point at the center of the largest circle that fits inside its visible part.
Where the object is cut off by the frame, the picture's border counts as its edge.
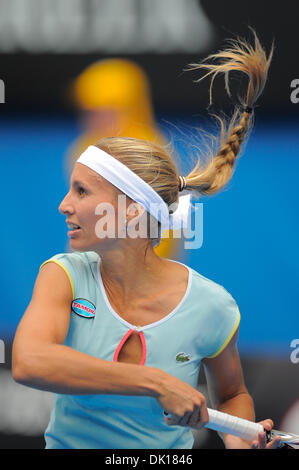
(186, 405)
(233, 442)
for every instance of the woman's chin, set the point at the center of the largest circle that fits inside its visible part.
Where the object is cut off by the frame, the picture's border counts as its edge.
(95, 245)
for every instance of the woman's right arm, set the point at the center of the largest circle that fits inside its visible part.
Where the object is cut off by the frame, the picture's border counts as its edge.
(41, 360)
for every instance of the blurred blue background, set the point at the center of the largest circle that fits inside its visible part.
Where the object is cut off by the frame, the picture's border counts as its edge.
(250, 229)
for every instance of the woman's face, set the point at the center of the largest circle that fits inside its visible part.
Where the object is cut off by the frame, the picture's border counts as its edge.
(84, 205)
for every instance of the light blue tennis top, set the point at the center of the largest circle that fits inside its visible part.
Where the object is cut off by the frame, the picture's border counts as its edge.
(199, 327)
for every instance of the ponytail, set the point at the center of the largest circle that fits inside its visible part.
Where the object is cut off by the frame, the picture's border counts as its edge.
(240, 56)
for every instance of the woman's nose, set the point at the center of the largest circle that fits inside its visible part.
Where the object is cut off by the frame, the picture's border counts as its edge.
(66, 206)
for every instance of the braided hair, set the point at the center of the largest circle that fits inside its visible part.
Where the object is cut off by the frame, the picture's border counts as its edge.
(251, 60)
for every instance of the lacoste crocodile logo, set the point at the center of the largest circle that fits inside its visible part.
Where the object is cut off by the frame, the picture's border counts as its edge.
(182, 357)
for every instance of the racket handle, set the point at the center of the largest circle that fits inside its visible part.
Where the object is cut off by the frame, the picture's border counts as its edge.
(228, 424)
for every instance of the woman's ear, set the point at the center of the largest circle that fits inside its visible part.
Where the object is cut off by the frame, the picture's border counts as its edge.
(134, 210)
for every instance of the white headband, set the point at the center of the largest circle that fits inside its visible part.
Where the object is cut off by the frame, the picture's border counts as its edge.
(136, 188)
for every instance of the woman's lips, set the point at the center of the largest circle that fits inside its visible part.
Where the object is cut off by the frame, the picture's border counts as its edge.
(73, 232)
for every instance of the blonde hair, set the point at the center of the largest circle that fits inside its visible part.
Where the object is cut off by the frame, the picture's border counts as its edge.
(155, 164)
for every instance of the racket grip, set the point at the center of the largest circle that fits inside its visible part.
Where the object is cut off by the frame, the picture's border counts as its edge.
(228, 424)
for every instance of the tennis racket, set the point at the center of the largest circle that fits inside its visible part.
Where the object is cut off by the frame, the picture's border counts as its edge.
(248, 430)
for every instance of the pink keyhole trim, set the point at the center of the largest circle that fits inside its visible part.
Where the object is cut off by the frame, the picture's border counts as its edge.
(124, 339)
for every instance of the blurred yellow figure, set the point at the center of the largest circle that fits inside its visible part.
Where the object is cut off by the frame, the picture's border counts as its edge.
(114, 99)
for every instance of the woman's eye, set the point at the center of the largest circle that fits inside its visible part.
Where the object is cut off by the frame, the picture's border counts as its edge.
(81, 190)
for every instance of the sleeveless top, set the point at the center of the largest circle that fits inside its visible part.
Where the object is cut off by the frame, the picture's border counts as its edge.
(199, 327)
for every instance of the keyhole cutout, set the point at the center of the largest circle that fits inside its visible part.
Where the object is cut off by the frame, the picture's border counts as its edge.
(132, 350)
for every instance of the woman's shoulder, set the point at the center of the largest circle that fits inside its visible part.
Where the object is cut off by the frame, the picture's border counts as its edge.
(209, 289)
(75, 259)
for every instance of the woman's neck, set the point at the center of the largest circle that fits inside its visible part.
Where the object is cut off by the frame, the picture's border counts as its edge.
(127, 273)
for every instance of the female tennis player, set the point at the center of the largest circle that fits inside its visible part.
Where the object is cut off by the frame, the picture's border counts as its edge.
(119, 333)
